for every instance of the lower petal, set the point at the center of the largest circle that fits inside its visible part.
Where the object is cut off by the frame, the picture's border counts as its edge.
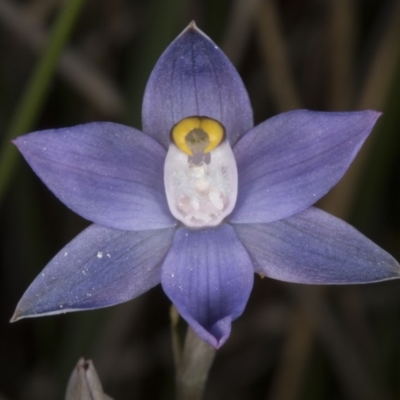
(208, 275)
(99, 268)
(317, 248)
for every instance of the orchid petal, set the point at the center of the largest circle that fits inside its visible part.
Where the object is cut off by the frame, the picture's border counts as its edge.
(315, 247)
(99, 268)
(194, 77)
(290, 161)
(208, 275)
(108, 173)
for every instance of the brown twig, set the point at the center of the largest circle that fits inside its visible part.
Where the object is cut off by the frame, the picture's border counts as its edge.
(342, 23)
(373, 95)
(352, 372)
(295, 356)
(273, 50)
(238, 30)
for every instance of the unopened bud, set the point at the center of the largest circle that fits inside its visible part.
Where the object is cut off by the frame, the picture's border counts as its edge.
(84, 384)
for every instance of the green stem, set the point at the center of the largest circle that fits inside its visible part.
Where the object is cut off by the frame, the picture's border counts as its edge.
(195, 363)
(36, 91)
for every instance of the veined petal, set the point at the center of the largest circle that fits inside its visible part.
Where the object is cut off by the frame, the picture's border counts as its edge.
(290, 161)
(194, 77)
(99, 268)
(108, 173)
(208, 275)
(315, 247)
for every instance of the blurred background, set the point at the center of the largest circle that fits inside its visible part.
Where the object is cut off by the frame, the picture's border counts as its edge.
(293, 341)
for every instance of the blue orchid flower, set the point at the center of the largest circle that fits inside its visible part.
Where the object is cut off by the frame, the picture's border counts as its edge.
(201, 199)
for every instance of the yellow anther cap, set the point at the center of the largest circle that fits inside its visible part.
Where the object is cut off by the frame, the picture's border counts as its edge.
(197, 133)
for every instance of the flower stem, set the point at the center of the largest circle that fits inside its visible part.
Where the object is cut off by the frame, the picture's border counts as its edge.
(193, 366)
(36, 90)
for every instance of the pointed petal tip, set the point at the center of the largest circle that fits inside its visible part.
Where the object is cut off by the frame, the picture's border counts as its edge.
(221, 331)
(216, 335)
(391, 265)
(373, 114)
(193, 28)
(100, 268)
(314, 247)
(18, 142)
(21, 313)
(192, 25)
(16, 317)
(376, 112)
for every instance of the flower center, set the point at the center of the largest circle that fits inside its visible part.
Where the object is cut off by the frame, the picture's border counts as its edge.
(200, 173)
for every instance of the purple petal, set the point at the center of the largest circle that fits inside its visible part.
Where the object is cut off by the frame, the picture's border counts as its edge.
(107, 173)
(194, 77)
(315, 247)
(290, 161)
(99, 268)
(208, 275)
